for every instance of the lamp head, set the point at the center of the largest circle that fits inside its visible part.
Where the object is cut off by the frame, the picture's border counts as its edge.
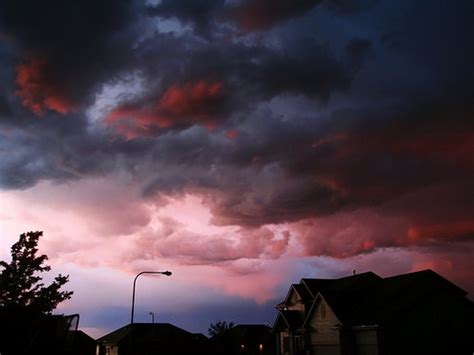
(167, 273)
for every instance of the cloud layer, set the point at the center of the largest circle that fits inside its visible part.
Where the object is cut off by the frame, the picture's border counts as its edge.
(241, 137)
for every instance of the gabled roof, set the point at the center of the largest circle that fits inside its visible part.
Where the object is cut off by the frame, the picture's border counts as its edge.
(80, 336)
(348, 296)
(293, 288)
(368, 299)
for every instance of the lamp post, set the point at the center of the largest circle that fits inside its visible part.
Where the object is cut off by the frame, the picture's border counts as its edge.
(166, 273)
(152, 317)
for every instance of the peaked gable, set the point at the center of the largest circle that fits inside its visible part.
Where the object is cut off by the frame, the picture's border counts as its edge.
(323, 324)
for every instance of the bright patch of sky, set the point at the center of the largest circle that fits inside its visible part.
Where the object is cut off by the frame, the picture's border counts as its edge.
(122, 89)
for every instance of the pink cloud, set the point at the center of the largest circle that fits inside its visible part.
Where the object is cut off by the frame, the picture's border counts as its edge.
(111, 227)
(106, 223)
(177, 241)
(416, 219)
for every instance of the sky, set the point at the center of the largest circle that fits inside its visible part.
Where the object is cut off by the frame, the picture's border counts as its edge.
(241, 144)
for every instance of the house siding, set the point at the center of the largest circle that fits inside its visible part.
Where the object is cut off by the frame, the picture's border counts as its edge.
(324, 337)
(322, 323)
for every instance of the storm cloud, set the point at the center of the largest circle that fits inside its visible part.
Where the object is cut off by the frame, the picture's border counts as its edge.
(310, 129)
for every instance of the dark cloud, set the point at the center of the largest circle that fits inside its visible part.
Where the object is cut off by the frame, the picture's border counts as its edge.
(57, 149)
(239, 77)
(252, 15)
(303, 66)
(4, 107)
(55, 25)
(248, 15)
(318, 175)
(294, 123)
(346, 7)
(357, 51)
(200, 14)
(66, 50)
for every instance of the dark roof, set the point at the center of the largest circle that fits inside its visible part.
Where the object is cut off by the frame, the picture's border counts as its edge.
(352, 298)
(145, 331)
(315, 285)
(82, 344)
(367, 299)
(303, 292)
(80, 336)
(424, 278)
(200, 336)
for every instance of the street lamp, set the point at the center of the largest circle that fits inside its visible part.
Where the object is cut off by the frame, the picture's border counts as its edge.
(166, 273)
(152, 317)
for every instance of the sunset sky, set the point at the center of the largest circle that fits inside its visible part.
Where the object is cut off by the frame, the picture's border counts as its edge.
(241, 144)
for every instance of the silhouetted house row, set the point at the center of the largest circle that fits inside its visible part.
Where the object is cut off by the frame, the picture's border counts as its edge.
(365, 314)
(152, 338)
(248, 339)
(167, 339)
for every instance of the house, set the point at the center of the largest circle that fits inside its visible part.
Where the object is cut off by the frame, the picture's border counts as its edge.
(152, 338)
(249, 339)
(82, 344)
(365, 314)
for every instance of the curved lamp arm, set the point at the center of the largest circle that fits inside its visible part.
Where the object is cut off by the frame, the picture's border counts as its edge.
(166, 273)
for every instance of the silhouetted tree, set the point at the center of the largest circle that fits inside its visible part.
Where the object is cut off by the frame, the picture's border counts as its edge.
(21, 287)
(219, 328)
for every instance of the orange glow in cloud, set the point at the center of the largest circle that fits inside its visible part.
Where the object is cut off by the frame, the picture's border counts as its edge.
(196, 100)
(348, 173)
(420, 234)
(457, 146)
(37, 92)
(452, 144)
(259, 15)
(191, 103)
(232, 134)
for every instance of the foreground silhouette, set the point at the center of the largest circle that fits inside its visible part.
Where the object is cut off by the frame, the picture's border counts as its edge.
(26, 304)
